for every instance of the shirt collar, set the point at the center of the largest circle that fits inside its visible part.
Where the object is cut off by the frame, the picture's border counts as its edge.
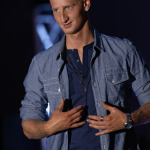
(98, 41)
(97, 45)
(61, 50)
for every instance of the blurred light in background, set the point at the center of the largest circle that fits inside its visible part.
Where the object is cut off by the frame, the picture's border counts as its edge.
(46, 30)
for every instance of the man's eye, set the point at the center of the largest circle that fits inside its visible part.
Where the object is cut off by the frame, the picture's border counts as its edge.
(69, 7)
(56, 10)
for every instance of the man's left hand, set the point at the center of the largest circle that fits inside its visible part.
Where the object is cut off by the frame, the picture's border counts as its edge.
(112, 122)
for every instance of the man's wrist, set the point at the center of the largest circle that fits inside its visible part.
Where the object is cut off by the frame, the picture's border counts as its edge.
(46, 128)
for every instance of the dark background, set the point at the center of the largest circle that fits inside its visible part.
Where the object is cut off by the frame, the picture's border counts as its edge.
(123, 18)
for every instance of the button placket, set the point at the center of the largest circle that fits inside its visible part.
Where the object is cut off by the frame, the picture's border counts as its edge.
(98, 105)
(94, 84)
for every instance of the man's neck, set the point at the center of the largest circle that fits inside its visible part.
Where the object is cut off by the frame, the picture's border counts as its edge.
(80, 39)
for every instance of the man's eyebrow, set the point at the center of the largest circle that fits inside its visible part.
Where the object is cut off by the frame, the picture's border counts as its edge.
(54, 8)
(73, 4)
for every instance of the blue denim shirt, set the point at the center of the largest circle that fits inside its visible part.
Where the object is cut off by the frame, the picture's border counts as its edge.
(116, 68)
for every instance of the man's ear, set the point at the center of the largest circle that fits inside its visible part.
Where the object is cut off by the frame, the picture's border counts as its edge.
(87, 4)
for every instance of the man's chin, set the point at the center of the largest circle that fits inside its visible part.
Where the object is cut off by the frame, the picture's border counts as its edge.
(69, 32)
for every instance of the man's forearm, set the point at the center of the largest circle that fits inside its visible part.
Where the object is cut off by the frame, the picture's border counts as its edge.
(34, 129)
(142, 115)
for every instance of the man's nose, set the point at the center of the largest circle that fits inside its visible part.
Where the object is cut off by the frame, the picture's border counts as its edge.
(64, 17)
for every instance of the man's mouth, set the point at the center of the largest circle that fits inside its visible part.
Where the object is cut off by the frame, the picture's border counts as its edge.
(67, 25)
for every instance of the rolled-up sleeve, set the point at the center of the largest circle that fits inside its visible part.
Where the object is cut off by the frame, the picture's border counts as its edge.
(34, 103)
(140, 75)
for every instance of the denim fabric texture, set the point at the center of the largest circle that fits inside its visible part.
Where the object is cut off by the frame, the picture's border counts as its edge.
(116, 70)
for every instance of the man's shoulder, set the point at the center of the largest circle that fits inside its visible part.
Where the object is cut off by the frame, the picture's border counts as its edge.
(115, 39)
(47, 57)
(103, 38)
(50, 52)
(115, 43)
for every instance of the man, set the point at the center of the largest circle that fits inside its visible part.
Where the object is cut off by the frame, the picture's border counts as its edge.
(86, 78)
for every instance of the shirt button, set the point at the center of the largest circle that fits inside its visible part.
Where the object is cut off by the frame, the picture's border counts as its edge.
(77, 61)
(59, 90)
(104, 146)
(98, 104)
(113, 81)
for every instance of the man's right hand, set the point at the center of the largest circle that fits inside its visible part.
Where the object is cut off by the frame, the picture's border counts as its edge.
(61, 121)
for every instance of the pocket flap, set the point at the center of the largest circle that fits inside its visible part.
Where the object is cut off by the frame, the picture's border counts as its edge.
(52, 86)
(117, 77)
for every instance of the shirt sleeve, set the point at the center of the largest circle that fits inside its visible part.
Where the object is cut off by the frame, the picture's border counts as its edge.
(35, 102)
(139, 74)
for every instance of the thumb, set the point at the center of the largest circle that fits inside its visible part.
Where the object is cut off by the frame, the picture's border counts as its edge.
(109, 108)
(61, 105)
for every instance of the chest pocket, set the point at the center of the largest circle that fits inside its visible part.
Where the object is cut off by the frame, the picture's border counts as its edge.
(52, 86)
(117, 77)
(117, 86)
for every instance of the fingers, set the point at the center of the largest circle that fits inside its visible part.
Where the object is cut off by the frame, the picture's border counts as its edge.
(99, 127)
(75, 110)
(99, 118)
(76, 117)
(78, 114)
(99, 123)
(103, 132)
(94, 117)
(78, 124)
(109, 108)
(61, 105)
(96, 123)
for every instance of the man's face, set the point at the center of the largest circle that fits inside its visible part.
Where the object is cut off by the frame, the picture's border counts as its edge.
(69, 14)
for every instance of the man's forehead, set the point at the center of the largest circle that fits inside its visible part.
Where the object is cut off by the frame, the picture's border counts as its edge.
(63, 1)
(57, 3)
